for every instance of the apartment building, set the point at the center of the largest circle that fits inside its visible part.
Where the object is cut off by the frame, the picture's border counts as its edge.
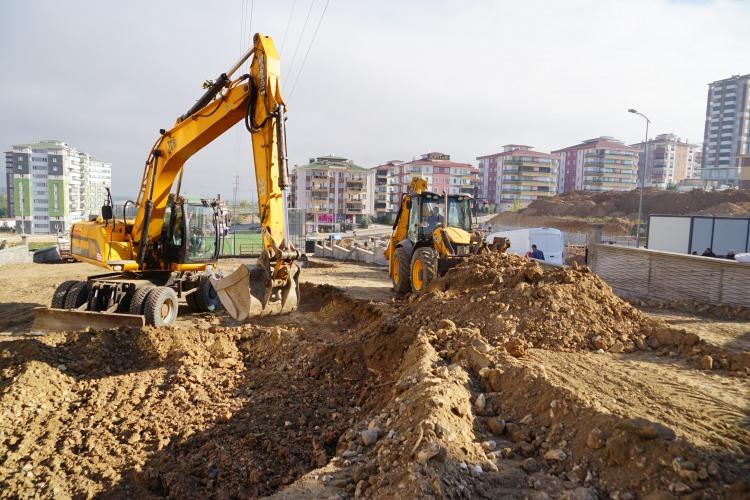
(386, 203)
(517, 176)
(51, 185)
(601, 164)
(668, 161)
(437, 169)
(726, 134)
(335, 193)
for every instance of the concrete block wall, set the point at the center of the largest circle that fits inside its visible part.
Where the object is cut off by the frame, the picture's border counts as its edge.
(355, 254)
(17, 254)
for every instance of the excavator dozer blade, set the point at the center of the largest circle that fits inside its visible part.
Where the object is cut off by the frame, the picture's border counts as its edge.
(70, 320)
(248, 293)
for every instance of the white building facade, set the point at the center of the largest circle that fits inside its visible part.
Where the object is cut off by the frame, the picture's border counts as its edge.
(51, 185)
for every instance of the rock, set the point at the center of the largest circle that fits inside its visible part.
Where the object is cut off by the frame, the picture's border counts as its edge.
(659, 495)
(517, 348)
(515, 433)
(530, 465)
(680, 488)
(481, 346)
(479, 403)
(739, 361)
(526, 420)
(489, 445)
(555, 455)
(490, 465)
(446, 324)
(599, 342)
(580, 493)
(646, 429)
(713, 469)
(617, 347)
(595, 439)
(496, 425)
(689, 475)
(370, 436)
(618, 449)
(706, 362)
(62, 367)
(475, 359)
(476, 470)
(433, 450)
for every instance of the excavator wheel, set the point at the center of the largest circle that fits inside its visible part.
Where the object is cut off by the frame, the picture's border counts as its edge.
(205, 298)
(58, 298)
(161, 306)
(77, 295)
(139, 299)
(423, 268)
(401, 271)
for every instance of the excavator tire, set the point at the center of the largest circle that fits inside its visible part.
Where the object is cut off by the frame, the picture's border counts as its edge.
(138, 301)
(58, 298)
(77, 295)
(205, 297)
(161, 306)
(401, 271)
(423, 268)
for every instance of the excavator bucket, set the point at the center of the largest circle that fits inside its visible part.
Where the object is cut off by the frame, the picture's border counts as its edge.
(249, 292)
(48, 319)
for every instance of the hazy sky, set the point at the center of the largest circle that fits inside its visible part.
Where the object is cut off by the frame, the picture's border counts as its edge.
(384, 79)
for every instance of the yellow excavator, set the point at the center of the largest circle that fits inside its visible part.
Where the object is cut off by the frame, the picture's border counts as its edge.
(171, 247)
(432, 233)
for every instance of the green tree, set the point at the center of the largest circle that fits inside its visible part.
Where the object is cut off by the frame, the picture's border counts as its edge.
(364, 222)
(3, 205)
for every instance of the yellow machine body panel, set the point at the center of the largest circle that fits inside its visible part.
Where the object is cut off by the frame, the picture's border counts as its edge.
(99, 244)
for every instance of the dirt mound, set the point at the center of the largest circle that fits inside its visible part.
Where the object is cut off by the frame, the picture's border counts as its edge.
(740, 209)
(511, 299)
(625, 204)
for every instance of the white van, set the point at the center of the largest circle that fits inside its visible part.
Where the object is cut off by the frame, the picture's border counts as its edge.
(549, 240)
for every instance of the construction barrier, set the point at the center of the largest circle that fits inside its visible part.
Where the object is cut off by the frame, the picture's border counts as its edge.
(671, 277)
(353, 254)
(13, 255)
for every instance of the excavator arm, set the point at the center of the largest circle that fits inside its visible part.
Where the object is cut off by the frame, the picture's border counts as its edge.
(255, 99)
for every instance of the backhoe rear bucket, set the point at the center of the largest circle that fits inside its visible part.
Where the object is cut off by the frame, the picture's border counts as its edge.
(70, 320)
(248, 292)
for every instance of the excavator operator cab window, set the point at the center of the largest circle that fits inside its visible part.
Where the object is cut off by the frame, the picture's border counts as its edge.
(433, 213)
(201, 233)
(459, 213)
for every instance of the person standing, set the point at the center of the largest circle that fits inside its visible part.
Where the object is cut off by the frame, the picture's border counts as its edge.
(536, 253)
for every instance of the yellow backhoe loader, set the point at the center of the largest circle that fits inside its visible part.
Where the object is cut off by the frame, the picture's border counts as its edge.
(432, 233)
(169, 249)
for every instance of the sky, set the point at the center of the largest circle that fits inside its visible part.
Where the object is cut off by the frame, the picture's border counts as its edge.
(383, 79)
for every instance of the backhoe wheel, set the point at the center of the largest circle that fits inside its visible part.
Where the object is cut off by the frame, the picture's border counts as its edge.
(401, 271)
(161, 307)
(423, 268)
(77, 295)
(139, 299)
(205, 298)
(58, 298)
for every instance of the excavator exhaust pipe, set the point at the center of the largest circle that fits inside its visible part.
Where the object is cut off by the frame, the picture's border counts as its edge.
(249, 292)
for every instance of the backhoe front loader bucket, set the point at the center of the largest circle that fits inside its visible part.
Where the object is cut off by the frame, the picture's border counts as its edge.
(47, 319)
(250, 292)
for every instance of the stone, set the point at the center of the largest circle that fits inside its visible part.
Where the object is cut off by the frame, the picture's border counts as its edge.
(617, 347)
(595, 439)
(369, 436)
(517, 348)
(680, 488)
(433, 450)
(530, 465)
(476, 470)
(479, 403)
(496, 425)
(446, 324)
(527, 419)
(580, 493)
(62, 367)
(646, 429)
(706, 362)
(555, 455)
(489, 445)
(480, 345)
(490, 465)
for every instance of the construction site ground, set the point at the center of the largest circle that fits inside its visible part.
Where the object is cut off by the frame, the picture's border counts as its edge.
(507, 380)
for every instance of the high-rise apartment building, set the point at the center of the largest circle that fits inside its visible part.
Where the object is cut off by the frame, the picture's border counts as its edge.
(50, 185)
(437, 169)
(517, 176)
(669, 160)
(385, 204)
(335, 193)
(601, 164)
(727, 131)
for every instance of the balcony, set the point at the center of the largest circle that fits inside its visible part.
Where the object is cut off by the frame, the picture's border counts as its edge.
(354, 186)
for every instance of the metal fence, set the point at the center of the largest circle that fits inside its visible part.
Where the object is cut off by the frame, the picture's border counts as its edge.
(248, 243)
(580, 239)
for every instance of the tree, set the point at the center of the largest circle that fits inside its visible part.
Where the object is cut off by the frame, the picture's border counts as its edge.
(516, 205)
(364, 222)
(3, 205)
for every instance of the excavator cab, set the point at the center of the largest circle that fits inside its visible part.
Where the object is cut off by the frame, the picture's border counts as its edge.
(191, 231)
(432, 233)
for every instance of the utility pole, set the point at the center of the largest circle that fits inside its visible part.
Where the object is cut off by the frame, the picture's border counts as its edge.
(643, 179)
(234, 209)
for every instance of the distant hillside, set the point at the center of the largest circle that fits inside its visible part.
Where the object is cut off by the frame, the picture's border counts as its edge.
(618, 204)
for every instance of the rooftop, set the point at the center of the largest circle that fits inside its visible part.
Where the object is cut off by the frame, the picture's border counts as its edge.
(603, 142)
(329, 161)
(518, 150)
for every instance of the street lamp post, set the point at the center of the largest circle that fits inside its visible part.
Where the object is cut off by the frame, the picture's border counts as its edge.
(642, 181)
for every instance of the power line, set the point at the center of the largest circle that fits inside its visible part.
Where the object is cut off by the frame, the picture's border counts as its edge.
(309, 47)
(250, 27)
(304, 26)
(288, 23)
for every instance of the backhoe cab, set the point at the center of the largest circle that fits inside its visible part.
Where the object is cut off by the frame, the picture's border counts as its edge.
(432, 233)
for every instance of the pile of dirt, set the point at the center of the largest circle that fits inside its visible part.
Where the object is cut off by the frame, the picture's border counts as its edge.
(625, 204)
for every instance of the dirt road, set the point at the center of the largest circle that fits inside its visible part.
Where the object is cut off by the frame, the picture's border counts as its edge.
(456, 393)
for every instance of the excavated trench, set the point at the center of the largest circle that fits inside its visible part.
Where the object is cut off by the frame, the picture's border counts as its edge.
(563, 391)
